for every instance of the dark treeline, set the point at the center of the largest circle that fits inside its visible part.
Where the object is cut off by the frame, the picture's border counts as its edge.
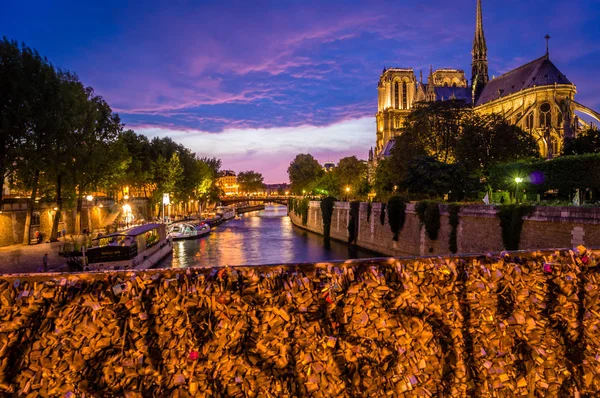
(446, 149)
(60, 141)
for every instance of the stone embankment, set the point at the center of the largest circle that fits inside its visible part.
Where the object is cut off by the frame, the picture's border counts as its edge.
(478, 230)
(524, 325)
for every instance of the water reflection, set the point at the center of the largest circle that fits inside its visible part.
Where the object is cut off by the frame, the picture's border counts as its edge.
(263, 237)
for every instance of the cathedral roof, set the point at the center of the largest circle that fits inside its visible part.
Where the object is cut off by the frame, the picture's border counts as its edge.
(540, 72)
(387, 150)
(447, 93)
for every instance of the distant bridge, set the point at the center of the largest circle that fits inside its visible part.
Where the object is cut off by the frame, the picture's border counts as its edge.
(229, 200)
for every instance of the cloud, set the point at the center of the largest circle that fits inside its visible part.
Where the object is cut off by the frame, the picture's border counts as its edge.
(270, 150)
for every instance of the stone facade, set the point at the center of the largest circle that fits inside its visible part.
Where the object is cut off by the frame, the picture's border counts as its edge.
(93, 216)
(536, 97)
(479, 229)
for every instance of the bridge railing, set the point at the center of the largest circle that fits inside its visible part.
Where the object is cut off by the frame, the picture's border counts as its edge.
(509, 324)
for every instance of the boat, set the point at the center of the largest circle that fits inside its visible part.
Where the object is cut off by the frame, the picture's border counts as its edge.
(225, 212)
(182, 230)
(138, 248)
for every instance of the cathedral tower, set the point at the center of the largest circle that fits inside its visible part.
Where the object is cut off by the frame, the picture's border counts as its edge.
(479, 75)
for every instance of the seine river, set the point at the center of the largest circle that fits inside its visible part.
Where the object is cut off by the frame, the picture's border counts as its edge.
(261, 237)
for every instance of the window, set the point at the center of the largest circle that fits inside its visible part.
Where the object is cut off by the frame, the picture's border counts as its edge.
(554, 144)
(396, 96)
(545, 115)
(404, 96)
(35, 218)
(454, 84)
(560, 119)
(529, 121)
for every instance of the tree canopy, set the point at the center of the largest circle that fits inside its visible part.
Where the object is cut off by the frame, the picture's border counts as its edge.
(250, 181)
(586, 142)
(444, 148)
(60, 141)
(303, 171)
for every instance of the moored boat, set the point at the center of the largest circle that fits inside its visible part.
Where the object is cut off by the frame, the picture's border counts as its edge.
(138, 248)
(181, 230)
(226, 212)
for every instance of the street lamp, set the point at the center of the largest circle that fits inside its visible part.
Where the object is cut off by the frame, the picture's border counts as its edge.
(304, 192)
(347, 193)
(89, 198)
(518, 180)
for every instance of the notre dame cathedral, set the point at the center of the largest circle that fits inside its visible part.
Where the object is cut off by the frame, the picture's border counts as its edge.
(536, 96)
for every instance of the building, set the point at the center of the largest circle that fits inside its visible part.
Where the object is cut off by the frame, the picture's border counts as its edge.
(536, 96)
(227, 181)
(328, 166)
(277, 189)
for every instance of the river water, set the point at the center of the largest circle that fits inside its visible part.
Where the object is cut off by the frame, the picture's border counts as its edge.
(261, 237)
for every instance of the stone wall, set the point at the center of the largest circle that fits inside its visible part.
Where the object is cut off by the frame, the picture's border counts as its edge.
(460, 327)
(13, 215)
(479, 229)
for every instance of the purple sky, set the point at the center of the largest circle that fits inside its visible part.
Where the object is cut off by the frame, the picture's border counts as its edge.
(256, 82)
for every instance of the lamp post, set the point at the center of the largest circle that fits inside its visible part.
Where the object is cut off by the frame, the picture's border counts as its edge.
(518, 180)
(347, 193)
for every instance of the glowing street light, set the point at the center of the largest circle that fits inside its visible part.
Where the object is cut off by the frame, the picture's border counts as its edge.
(89, 198)
(126, 197)
(518, 180)
(347, 193)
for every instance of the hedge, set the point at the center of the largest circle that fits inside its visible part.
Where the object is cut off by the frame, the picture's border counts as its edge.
(563, 173)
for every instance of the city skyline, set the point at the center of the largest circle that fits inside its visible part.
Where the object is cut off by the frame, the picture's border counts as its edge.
(256, 84)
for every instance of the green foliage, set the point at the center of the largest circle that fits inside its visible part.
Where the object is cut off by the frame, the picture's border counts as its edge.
(427, 177)
(350, 172)
(429, 216)
(353, 221)
(301, 210)
(434, 128)
(511, 222)
(327, 184)
(453, 220)
(71, 143)
(303, 171)
(397, 214)
(327, 206)
(382, 214)
(250, 181)
(586, 142)
(490, 139)
(565, 173)
(444, 148)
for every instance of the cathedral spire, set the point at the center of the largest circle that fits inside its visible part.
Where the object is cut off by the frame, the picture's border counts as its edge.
(430, 95)
(480, 64)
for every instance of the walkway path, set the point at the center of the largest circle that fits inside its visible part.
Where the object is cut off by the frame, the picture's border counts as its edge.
(28, 258)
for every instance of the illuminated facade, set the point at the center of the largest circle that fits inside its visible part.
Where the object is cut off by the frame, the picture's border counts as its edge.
(536, 96)
(227, 181)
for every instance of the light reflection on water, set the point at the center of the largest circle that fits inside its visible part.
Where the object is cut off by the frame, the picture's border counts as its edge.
(262, 237)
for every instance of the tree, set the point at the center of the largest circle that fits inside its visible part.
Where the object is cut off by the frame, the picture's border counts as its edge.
(14, 107)
(250, 181)
(427, 176)
(328, 184)
(586, 142)
(40, 86)
(97, 156)
(350, 172)
(435, 127)
(303, 171)
(139, 166)
(491, 139)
